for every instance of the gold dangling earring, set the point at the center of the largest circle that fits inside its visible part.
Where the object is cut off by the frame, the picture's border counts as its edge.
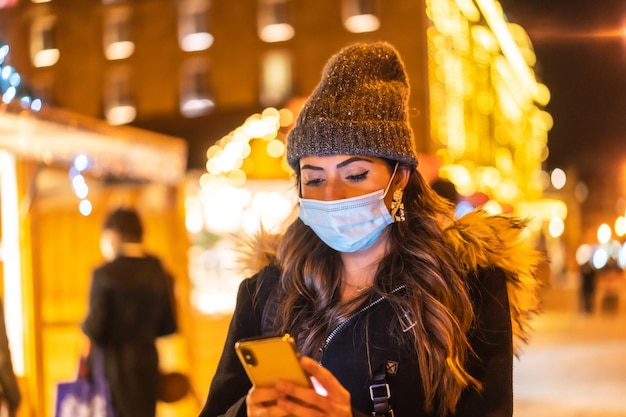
(397, 206)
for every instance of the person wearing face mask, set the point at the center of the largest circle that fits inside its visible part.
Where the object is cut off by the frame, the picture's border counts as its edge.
(398, 308)
(130, 305)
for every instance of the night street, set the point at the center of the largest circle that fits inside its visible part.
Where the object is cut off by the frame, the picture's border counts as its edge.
(574, 366)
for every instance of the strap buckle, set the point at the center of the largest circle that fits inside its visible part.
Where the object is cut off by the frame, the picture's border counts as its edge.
(379, 392)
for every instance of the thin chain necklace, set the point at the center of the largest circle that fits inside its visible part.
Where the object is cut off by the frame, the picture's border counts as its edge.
(358, 288)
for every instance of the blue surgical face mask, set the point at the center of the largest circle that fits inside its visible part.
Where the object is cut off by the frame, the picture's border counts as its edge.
(350, 224)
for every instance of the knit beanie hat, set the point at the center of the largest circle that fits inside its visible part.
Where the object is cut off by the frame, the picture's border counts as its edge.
(360, 107)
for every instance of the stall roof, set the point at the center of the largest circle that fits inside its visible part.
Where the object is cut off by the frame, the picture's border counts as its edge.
(55, 136)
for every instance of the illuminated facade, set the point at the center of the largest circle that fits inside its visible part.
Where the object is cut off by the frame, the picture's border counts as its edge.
(486, 105)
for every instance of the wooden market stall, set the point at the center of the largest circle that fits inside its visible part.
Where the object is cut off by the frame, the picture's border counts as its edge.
(60, 174)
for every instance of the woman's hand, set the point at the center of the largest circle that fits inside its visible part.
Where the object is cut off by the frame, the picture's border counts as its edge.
(261, 402)
(329, 398)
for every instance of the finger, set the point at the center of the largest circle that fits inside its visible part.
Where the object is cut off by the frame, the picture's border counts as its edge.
(273, 411)
(262, 402)
(305, 402)
(305, 396)
(293, 406)
(263, 397)
(332, 386)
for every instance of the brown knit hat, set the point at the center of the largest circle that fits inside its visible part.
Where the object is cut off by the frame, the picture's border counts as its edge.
(360, 107)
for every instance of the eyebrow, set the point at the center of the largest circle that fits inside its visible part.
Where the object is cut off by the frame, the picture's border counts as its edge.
(339, 165)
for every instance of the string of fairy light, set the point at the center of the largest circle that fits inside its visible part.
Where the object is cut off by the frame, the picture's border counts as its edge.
(13, 89)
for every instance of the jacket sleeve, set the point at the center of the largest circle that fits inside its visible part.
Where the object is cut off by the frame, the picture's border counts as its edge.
(492, 342)
(95, 323)
(9, 387)
(168, 323)
(230, 384)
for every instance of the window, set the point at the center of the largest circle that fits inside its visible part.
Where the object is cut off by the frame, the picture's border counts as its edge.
(196, 98)
(116, 38)
(193, 26)
(273, 21)
(276, 78)
(119, 107)
(43, 50)
(359, 16)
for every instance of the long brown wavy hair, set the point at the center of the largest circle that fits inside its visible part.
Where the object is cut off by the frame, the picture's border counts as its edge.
(419, 259)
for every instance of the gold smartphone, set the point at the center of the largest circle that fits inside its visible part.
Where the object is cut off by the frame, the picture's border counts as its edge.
(269, 359)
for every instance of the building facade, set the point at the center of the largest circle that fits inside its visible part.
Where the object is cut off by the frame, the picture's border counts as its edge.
(196, 68)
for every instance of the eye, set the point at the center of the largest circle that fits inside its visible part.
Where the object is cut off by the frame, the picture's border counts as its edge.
(357, 177)
(313, 182)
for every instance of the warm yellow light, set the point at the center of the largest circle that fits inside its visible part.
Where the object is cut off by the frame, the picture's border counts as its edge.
(286, 117)
(46, 57)
(490, 176)
(275, 148)
(556, 227)
(558, 178)
(468, 9)
(277, 32)
(237, 177)
(504, 161)
(492, 207)
(493, 14)
(542, 178)
(119, 50)
(198, 41)
(120, 115)
(508, 190)
(604, 233)
(11, 260)
(269, 209)
(362, 23)
(193, 214)
(583, 254)
(600, 258)
(620, 226)
(545, 209)
(543, 95)
(484, 37)
(461, 177)
(223, 207)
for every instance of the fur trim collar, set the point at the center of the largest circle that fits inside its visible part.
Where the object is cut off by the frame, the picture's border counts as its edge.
(478, 240)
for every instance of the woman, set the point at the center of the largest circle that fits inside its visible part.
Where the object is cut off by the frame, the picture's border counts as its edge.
(130, 305)
(406, 310)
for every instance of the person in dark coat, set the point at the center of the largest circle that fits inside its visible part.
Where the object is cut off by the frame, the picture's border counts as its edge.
(9, 388)
(587, 288)
(130, 305)
(397, 307)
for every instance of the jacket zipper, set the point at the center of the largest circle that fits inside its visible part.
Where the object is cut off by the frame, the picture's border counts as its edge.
(341, 325)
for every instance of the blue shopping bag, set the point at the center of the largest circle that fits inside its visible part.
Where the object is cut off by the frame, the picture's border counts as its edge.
(87, 396)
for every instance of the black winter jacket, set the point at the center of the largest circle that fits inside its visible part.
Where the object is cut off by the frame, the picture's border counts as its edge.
(130, 305)
(346, 357)
(500, 267)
